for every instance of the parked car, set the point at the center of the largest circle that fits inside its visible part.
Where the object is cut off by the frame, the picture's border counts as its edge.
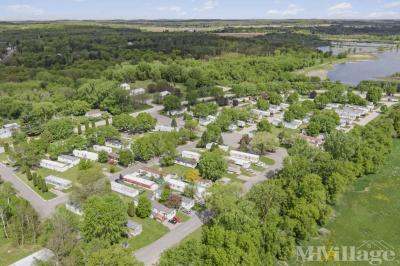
(175, 220)
(188, 212)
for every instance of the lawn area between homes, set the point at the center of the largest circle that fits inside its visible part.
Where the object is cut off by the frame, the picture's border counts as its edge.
(176, 169)
(267, 160)
(10, 253)
(368, 211)
(45, 195)
(152, 230)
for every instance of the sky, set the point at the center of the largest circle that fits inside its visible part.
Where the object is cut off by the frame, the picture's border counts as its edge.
(198, 9)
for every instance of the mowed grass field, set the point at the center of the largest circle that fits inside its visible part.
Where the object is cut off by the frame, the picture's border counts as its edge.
(369, 211)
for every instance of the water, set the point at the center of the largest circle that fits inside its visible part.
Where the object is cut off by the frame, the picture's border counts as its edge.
(351, 73)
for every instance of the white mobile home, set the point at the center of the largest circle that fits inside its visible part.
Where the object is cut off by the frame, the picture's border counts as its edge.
(177, 185)
(162, 213)
(86, 155)
(100, 148)
(164, 128)
(124, 190)
(191, 163)
(56, 166)
(58, 182)
(245, 156)
(134, 229)
(68, 159)
(240, 162)
(191, 155)
(140, 182)
(187, 203)
(116, 144)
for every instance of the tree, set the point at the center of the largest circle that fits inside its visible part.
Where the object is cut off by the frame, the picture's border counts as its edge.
(192, 176)
(292, 98)
(174, 201)
(145, 122)
(103, 157)
(204, 109)
(104, 218)
(131, 209)
(124, 122)
(171, 102)
(374, 94)
(165, 194)
(60, 128)
(113, 256)
(212, 165)
(264, 126)
(125, 157)
(143, 209)
(275, 98)
(173, 123)
(44, 187)
(262, 104)
(28, 173)
(263, 142)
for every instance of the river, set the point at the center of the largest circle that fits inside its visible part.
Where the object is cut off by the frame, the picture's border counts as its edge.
(386, 63)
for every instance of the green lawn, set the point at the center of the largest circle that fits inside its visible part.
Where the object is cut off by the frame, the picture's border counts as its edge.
(3, 157)
(9, 253)
(196, 235)
(176, 169)
(183, 217)
(45, 195)
(369, 211)
(152, 230)
(267, 160)
(257, 168)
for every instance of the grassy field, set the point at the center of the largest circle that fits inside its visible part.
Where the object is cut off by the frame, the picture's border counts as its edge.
(176, 169)
(9, 253)
(152, 230)
(45, 195)
(369, 211)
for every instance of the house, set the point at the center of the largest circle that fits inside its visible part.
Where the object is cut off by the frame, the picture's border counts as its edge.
(31, 260)
(124, 190)
(68, 159)
(8, 130)
(86, 155)
(156, 194)
(135, 179)
(277, 122)
(234, 169)
(113, 158)
(191, 155)
(245, 156)
(150, 172)
(273, 109)
(241, 123)
(164, 93)
(232, 127)
(116, 144)
(58, 182)
(332, 106)
(73, 208)
(139, 91)
(161, 212)
(315, 141)
(164, 128)
(201, 189)
(240, 162)
(191, 163)
(96, 113)
(205, 121)
(134, 229)
(125, 86)
(53, 165)
(261, 113)
(222, 147)
(177, 185)
(295, 124)
(187, 203)
(284, 106)
(177, 112)
(100, 148)
(12, 126)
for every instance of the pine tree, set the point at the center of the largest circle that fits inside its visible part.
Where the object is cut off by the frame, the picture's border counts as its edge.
(174, 124)
(131, 209)
(79, 129)
(35, 180)
(44, 187)
(40, 183)
(28, 173)
(93, 124)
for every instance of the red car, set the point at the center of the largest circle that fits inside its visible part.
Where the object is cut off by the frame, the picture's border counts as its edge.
(175, 220)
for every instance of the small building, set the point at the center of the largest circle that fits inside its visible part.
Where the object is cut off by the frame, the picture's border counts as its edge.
(317, 141)
(58, 182)
(240, 162)
(43, 255)
(86, 155)
(234, 169)
(273, 109)
(232, 127)
(125, 86)
(53, 165)
(245, 156)
(295, 124)
(113, 158)
(68, 159)
(284, 106)
(261, 113)
(100, 148)
(177, 185)
(177, 112)
(116, 144)
(191, 163)
(135, 179)
(201, 189)
(134, 229)
(205, 121)
(241, 124)
(164, 93)
(8, 130)
(187, 203)
(150, 172)
(124, 190)
(96, 113)
(161, 212)
(191, 155)
(222, 147)
(73, 208)
(139, 91)
(162, 128)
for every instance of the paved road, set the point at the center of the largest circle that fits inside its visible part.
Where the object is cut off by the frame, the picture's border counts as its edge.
(150, 254)
(44, 207)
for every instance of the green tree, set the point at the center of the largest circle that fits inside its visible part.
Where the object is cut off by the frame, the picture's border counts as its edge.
(113, 256)
(103, 157)
(264, 126)
(131, 209)
(263, 142)
(174, 124)
(165, 194)
(171, 102)
(143, 209)
(212, 165)
(125, 157)
(104, 218)
(262, 104)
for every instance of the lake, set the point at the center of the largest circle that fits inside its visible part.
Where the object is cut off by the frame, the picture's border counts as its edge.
(351, 73)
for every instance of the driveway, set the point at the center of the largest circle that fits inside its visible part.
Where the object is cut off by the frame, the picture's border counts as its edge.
(150, 254)
(43, 207)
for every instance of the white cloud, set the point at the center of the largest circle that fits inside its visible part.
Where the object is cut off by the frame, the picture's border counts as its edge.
(291, 10)
(208, 5)
(175, 9)
(384, 15)
(25, 10)
(392, 4)
(341, 7)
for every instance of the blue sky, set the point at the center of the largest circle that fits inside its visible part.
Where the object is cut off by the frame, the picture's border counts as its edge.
(188, 9)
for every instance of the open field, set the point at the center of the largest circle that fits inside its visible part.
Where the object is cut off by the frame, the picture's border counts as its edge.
(152, 230)
(10, 253)
(369, 211)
